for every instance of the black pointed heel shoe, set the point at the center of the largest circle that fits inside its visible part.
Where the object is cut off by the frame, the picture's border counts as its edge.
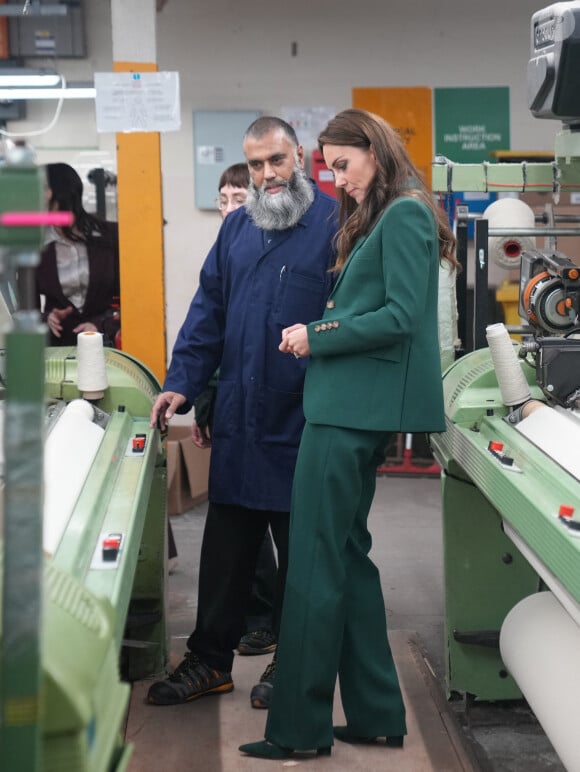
(343, 734)
(266, 750)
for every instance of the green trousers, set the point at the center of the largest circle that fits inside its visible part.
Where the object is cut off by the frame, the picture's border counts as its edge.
(333, 617)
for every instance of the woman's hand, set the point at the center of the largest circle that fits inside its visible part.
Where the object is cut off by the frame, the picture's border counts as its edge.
(295, 341)
(55, 318)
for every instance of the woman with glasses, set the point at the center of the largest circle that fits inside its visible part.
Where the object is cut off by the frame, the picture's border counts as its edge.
(233, 189)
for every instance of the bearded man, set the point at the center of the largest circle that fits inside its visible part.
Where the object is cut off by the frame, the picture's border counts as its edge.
(268, 269)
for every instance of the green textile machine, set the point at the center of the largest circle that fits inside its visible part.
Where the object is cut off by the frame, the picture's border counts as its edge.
(511, 466)
(83, 534)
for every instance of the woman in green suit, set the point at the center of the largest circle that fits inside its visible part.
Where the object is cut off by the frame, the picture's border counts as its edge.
(374, 370)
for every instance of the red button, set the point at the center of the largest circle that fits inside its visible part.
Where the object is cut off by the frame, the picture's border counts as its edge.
(566, 510)
(495, 446)
(138, 444)
(111, 547)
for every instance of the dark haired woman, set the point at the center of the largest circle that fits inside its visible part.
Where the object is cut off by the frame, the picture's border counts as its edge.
(374, 369)
(79, 266)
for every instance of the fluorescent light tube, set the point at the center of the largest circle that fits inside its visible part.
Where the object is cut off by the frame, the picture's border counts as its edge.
(20, 77)
(25, 79)
(11, 94)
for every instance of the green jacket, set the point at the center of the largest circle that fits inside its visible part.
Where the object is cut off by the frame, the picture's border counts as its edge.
(375, 360)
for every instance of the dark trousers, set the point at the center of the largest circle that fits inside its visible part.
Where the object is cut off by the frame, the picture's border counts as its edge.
(232, 539)
(334, 620)
(171, 546)
(259, 614)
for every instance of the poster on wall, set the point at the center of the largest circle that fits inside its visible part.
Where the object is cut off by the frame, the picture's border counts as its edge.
(308, 122)
(137, 101)
(470, 123)
(409, 111)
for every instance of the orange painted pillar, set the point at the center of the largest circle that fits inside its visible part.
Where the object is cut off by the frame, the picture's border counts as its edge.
(139, 194)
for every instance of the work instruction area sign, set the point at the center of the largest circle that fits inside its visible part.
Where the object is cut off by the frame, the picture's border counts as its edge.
(470, 123)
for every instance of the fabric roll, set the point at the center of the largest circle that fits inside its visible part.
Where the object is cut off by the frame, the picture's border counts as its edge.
(69, 452)
(539, 644)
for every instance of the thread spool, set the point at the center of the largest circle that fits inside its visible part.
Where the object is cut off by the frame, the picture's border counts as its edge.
(91, 368)
(506, 251)
(511, 381)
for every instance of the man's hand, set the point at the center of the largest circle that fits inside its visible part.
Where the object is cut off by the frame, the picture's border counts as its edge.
(200, 437)
(164, 408)
(55, 319)
(85, 327)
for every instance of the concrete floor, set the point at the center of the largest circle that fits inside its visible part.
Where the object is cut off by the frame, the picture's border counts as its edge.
(443, 736)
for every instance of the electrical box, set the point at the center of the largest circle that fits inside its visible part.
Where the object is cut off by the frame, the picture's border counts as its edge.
(323, 177)
(217, 144)
(43, 35)
(12, 110)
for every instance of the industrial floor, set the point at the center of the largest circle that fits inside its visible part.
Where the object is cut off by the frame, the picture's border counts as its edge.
(444, 736)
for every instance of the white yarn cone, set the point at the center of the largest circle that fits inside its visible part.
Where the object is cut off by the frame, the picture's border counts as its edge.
(506, 251)
(91, 369)
(512, 383)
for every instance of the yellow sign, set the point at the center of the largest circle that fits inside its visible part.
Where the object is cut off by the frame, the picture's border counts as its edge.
(409, 111)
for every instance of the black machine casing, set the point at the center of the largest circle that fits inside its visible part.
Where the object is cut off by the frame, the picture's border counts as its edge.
(555, 63)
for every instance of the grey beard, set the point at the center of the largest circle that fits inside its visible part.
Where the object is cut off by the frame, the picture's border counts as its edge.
(284, 209)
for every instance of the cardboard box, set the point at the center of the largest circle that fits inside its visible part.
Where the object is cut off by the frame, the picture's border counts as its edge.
(187, 471)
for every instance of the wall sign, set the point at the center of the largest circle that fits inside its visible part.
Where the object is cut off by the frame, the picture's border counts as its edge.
(471, 122)
(137, 101)
(409, 111)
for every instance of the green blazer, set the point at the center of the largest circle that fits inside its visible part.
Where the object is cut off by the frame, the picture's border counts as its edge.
(375, 360)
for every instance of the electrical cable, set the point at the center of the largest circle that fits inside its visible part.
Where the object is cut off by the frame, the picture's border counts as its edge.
(51, 125)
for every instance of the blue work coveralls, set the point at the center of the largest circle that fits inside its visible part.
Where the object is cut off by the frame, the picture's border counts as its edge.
(253, 284)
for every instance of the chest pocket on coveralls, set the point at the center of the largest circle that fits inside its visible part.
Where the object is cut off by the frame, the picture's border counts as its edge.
(300, 299)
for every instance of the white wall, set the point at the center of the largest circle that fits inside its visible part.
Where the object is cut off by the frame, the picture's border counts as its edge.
(236, 54)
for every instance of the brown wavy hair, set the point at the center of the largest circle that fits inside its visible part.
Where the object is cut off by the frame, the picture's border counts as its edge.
(396, 176)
